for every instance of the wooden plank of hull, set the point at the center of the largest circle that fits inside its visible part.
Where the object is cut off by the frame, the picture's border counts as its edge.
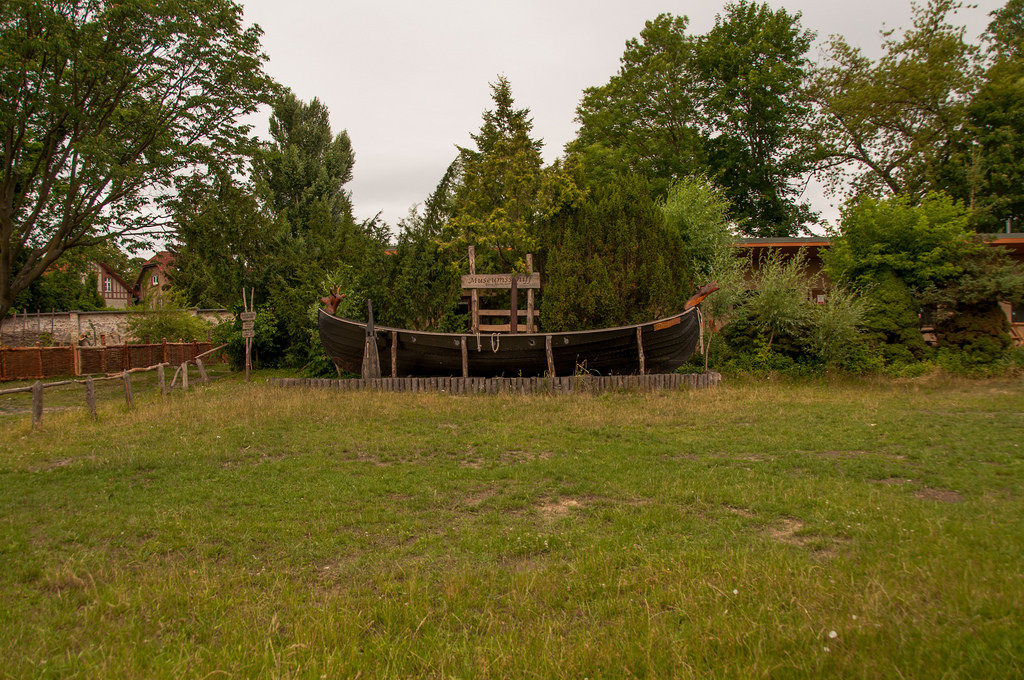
(603, 351)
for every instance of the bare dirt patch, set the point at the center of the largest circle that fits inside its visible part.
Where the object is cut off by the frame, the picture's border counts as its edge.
(477, 497)
(518, 456)
(892, 481)
(940, 495)
(785, 531)
(845, 455)
(742, 512)
(558, 508)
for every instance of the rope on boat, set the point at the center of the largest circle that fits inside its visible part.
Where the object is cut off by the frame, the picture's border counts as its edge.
(495, 342)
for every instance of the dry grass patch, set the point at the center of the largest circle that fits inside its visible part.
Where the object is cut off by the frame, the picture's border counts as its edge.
(558, 508)
(939, 495)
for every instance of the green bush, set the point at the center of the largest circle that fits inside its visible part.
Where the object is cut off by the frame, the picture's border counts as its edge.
(170, 323)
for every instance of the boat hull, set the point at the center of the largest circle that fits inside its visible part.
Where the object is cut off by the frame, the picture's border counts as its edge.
(666, 344)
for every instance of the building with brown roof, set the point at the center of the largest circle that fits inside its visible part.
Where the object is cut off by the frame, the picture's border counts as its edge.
(153, 282)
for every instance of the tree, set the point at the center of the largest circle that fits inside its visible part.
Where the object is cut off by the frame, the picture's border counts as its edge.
(729, 104)
(923, 244)
(611, 261)
(990, 178)
(697, 211)
(1006, 31)
(70, 284)
(285, 231)
(900, 254)
(753, 65)
(103, 106)
(890, 126)
(423, 291)
(497, 199)
(970, 317)
(646, 119)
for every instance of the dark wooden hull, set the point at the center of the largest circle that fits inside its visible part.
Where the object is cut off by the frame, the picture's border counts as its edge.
(667, 344)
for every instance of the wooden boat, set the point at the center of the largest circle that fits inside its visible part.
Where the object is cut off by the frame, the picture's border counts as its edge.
(658, 346)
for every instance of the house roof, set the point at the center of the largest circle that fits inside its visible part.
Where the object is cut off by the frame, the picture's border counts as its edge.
(162, 261)
(114, 275)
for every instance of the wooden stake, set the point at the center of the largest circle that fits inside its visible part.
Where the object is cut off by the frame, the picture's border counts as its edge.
(37, 402)
(126, 376)
(371, 359)
(184, 376)
(90, 397)
(202, 372)
(161, 380)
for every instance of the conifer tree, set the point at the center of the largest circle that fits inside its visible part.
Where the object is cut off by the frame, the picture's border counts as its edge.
(498, 199)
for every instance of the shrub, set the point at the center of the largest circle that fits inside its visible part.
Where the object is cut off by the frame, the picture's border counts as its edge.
(171, 323)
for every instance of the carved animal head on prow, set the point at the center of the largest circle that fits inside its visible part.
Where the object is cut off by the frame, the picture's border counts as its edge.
(332, 300)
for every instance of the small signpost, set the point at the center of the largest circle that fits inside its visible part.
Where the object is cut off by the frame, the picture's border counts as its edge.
(248, 318)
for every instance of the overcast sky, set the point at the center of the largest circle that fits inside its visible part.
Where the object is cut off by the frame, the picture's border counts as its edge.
(409, 79)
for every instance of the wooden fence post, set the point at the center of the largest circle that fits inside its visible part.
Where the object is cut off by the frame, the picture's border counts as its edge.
(90, 397)
(127, 377)
(202, 372)
(161, 380)
(37, 402)
(184, 376)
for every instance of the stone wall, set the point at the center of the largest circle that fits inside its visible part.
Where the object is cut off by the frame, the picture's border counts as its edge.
(108, 326)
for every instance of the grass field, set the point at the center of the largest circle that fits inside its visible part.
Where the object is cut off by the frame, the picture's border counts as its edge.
(860, 529)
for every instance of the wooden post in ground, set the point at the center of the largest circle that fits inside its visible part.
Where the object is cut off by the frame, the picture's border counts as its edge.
(184, 376)
(161, 380)
(202, 372)
(37, 402)
(127, 377)
(371, 359)
(90, 397)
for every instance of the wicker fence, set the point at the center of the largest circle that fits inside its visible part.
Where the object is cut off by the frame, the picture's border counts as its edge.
(25, 363)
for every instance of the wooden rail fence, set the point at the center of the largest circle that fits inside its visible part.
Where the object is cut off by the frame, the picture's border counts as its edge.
(588, 384)
(125, 376)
